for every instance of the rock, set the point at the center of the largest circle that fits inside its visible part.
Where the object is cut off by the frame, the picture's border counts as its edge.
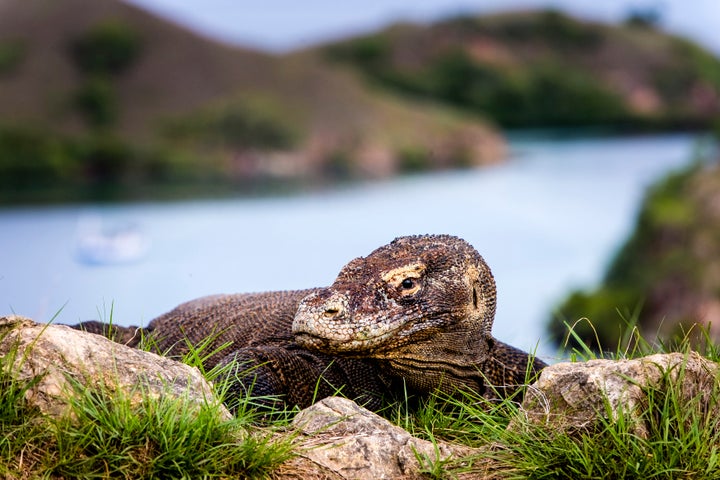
(573, 395)
(60, 354)
(336, 438)
(342, 440)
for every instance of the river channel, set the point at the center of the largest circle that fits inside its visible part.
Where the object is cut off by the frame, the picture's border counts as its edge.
(546, 221)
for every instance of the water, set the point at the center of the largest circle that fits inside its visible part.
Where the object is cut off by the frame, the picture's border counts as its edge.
(547, 221)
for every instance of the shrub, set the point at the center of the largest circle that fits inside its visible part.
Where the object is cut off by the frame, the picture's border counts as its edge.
(545, 95)
(108, 48)
(369, 52)
(414, 160)
(559, 97)
(562, 30)
(105, 158)
(33, 157)
(96, 101)
(11, 54)
(551, 26)
(236, 127)
(338, 165)
(598, 320)
(643, 18)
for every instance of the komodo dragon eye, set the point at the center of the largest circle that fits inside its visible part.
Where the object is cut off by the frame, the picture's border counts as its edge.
(406, 278)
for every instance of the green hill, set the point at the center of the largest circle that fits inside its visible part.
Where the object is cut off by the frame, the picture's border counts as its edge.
(665, 280)
(103, 100)
(544, 68)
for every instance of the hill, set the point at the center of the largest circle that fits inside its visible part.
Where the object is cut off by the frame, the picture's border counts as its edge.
(544, 68)
(103, 100)
(666, 278)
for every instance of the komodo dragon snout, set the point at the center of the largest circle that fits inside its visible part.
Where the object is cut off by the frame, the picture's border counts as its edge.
(423, 297)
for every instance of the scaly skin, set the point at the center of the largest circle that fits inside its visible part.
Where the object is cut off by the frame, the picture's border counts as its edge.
(414, 315)
(423, 307)
(252, 332)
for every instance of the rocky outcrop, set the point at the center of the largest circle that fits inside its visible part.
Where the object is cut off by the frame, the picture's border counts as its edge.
(63, 359)
(577, 395)
(344, 440)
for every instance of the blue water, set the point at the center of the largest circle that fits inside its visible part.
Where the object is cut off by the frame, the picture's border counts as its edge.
(546, 221)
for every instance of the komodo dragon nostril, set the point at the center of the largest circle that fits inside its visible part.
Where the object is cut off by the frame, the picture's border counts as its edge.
(332, 311)
(334, 306)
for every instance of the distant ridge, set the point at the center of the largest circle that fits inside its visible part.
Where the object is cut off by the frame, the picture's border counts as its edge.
(104, 100)
(186, 108)
(545, 68)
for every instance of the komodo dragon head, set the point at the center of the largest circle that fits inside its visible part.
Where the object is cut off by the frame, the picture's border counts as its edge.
(422, 303)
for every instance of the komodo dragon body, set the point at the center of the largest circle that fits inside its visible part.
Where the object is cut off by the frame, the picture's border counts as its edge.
(414, 315)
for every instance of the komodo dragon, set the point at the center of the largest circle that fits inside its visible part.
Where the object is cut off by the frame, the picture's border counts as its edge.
(413, 316)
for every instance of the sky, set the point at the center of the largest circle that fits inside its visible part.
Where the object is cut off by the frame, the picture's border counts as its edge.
(284, 25)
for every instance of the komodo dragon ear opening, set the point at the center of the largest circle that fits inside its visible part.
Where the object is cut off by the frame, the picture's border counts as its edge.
(482, 307)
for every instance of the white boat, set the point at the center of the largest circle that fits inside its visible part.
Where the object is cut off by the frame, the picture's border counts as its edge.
(98, 244)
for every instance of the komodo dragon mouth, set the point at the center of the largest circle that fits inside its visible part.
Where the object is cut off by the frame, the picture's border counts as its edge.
(325, 321)
(346, 342)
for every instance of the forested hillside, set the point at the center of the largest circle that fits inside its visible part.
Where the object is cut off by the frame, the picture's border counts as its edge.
(665, 280)
(545, 68)
(103, 100)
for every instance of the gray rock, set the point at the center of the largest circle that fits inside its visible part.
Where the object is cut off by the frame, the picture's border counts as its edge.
(575, 395)
(61, 355)
(347, 441)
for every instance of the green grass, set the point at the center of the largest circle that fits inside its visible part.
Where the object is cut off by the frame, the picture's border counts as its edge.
(162, 438)
(682, 442)
(108, 435)
(683, 439)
